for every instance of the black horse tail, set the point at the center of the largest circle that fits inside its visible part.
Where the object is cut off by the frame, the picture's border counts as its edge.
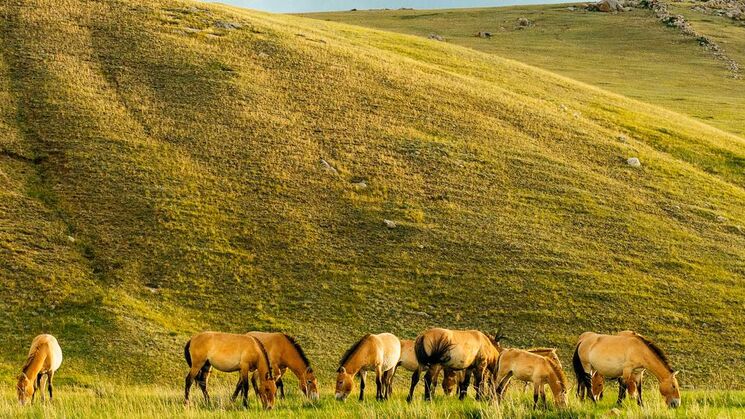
(187, 354)
(584, 380)
(438, 352)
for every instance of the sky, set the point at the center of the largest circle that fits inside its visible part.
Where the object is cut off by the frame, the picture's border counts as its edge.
(296, 6)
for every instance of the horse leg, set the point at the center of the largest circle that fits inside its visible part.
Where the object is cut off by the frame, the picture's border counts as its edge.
(621, 391)
(639, 400)
(379, 383)
(543, 396)
(281, 388)
(414, 381)
(463, 388)
(195, 368)
(428, 385)
(363, 375)
(536, 392)
(201, 380)
(435, 379)
(244, 378)
(50, 378)
(478, 378)
(238, 388)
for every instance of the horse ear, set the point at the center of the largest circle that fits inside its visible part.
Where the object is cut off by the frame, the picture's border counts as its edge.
(308, 370)
(675, 373)
(342, 370)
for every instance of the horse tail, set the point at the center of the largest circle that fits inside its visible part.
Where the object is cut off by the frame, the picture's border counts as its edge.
(438, 352)
(584, 380)
(187, 354)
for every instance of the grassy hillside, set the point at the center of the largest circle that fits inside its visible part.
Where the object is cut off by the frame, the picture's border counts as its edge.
(161, 173)
(628, 53)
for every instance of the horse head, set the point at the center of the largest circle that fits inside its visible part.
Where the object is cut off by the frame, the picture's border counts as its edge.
(309, 384)
(344, 384)
(670, 390)
(24, 389)
(267, 390)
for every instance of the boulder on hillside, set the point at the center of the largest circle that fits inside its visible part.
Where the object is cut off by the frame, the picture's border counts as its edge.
(436, 37)
(524, 22)
(634, 162)
(606, 6)
(482, 34)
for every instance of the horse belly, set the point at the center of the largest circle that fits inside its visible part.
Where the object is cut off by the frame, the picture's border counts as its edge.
(226, 363)
(56, 360)
(609, 366)
(461, 357)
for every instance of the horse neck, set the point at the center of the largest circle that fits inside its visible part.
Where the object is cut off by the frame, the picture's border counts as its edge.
(34, 366)
(655, 365)
(295, 363)
(355, 362)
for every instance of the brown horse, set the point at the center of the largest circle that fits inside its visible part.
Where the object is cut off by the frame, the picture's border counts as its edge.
(228, 352)
(284, 352)
(625, 356)
(379, 353)
(469, 350)
(44, 359)
(598, 380)
(537, 369)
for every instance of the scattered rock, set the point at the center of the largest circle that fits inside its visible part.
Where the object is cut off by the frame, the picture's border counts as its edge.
(224, 24)
(523, 23)
(634, 162)
(613, 412)
(191, 30)
(329, 168)
(563, 107)
(71, 239)
(436, 37)
(721, 219)
(389, 223)
(482, 34)
(607, 6)
(571, 8)
(360, 185)
(622, 138)
(263, 55)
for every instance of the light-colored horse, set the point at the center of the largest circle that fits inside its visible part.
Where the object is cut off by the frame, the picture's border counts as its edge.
(469, 350)
(626, 356)
(44, 359)
(285, 353)
(534, 368)
(380, 353)
(229, 352)
(408, 362)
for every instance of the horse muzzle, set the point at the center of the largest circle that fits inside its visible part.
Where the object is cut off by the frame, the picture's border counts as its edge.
(341, 397)
(674, 403)
(313, 396)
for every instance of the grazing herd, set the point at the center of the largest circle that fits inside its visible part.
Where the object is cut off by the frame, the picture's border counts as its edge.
(262, 359)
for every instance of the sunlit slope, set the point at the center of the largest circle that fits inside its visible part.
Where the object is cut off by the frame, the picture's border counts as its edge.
(162, 174)
(629, 53)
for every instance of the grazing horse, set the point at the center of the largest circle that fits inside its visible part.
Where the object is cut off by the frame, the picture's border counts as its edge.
(469, 350)
(284, 352)
(229, 352)
(626, 356)
(409, 362)
(380, 353)
(597, 387)
(537, 369)
(44, 359)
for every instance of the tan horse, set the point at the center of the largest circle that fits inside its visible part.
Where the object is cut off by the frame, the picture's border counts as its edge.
(229, 353)
(408, 362)
(285, 353)
(537, 369)
(44, 359)
(598, 380)
(469, 350)
(379, 353)
(626, 356)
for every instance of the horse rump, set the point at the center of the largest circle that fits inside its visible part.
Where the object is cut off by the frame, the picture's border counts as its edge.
(187, 354)
(438, 352)
(584, 379)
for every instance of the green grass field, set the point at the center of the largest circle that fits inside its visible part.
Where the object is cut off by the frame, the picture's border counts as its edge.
(165, 402)
(161, 174)
(628, 53)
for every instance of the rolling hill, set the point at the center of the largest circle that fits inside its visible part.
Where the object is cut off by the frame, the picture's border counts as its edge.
(630, 53)
(168, 167)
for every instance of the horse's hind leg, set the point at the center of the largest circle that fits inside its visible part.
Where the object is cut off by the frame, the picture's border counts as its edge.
(414, 381)
(281, 388)
(379, 384)
(428, 385)
(201, 379)
(639, 400)
(463, 388)
(621, 391)
(195, 368)
(536, 393)
(238, 388)
(50, 379)
(543, 396)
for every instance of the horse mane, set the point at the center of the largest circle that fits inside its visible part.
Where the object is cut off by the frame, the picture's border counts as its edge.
(297, 347)
(656, 350)
(266, 356)
(352, 349)
(559, 373)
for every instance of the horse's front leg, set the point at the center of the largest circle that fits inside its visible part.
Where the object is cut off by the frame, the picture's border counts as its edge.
(238, 388)
(414, 381)
(478, 378)
(363, 375)
(536, 393)
(630, 380)
(543, 396)
(639, 400)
